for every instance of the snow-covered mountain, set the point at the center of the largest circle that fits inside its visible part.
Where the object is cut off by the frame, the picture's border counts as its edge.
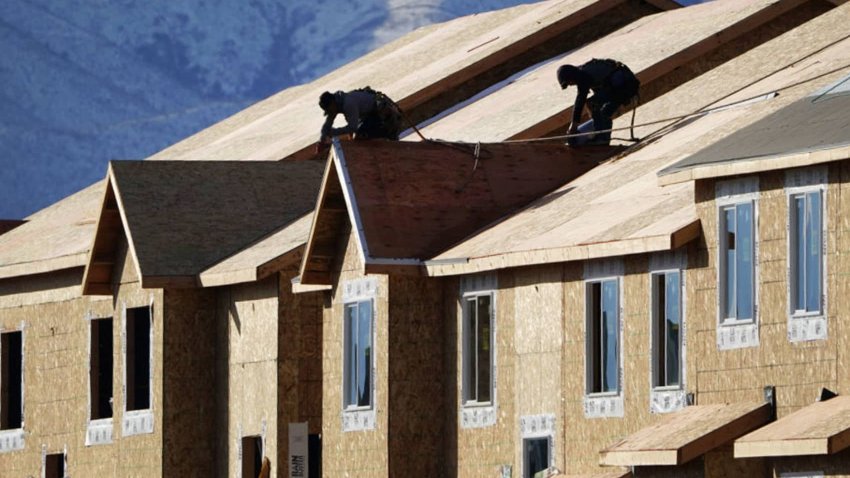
(85, 81)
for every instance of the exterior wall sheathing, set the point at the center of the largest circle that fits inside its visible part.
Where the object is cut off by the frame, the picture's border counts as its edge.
(798, 370)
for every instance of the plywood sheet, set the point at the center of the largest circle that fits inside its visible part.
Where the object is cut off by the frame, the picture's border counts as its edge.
(57, 237)
(183, 217)
(619, 207)
(686, 434)
(653, 46)
(818, 429)
(411, 70)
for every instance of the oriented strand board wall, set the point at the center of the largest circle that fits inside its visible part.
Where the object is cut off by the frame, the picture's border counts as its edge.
(417, 377)
(189, 386)
(300, 365)
(353, 453)
(56, 398)
(538, 316)
(484, 451)
(250, 315)
(798, 370)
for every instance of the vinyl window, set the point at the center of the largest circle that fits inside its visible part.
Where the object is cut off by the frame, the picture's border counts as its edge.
(477, 355)
(667, 329)
(603, 336)
(737, 268)
(358, 355)
(11, 380)
(806, 252)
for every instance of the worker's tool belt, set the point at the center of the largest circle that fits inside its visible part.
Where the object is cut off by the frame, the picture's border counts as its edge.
(386, 110)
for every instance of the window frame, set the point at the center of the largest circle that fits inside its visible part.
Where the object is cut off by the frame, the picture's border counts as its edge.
(525, 461)
(590, 366)
(722, 266)
(465, 298)
(793, 273)
(656, 338)
(138, 421)
(345, 358)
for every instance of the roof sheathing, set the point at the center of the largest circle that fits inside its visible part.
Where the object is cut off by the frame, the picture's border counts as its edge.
(180, 218)
(654, 47)
(582, 220)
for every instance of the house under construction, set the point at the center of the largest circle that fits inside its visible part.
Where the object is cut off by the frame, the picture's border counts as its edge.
(482, 303)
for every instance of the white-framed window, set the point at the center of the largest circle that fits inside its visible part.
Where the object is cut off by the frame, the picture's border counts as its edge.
(137, 345)
(101, 354)
(359, 355)
(477, 354)
(53, 465)
(537, 434)
(12, 373)
(737, 263)
(667, 329)
(359, 305)
(806, 225)
(806, 252)
(477, 350)
(667, 338)
(603, 336)
(11, 380)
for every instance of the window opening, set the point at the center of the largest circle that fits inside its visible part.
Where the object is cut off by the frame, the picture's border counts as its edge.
(667, 322)
(478, 349)
(138, 358)
(737, 266)
(11, 380)
(101, 355)
(358, 355)
(603, 336)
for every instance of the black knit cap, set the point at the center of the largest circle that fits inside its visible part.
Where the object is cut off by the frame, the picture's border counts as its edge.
(325, 101)
(567, 75)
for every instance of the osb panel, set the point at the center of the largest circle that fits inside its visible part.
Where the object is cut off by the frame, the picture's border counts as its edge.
(300, 362)
(833, 466)
(251, 315)
(538, 316)
(721, 463)
(417, 377)
(42, 289)
(189, 387)
(798, 370)
(360, 453)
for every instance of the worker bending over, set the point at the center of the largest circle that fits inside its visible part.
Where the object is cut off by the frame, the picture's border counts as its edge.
(613, 85)
(368, 113)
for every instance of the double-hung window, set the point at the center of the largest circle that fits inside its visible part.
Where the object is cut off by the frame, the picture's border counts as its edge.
(359, 355)
(603, 336)
(806, 249)
(666, 329)
(478, 349)
(737, 268)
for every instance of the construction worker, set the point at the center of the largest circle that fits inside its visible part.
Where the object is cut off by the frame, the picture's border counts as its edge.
(613, 85)
(368, 113)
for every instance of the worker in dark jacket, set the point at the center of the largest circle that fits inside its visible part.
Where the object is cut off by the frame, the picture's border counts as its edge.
(368, 113)
(613, 85)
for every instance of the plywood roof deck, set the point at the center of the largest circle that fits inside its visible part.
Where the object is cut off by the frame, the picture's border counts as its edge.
(822, 428)
(533, 104)
(687, 434)
(414, 70)
(408, 201)
(619, 207)
(181, 218)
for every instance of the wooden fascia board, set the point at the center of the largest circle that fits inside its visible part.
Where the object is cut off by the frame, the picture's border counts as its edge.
(394, 268)
(757, 165)
(695, 448)
(826, 445)
(318, 216)
(642, 245)
(127, 233)
(338, 158)
(251, 274)
(88, 287)
(640, 458)
(23, 269)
